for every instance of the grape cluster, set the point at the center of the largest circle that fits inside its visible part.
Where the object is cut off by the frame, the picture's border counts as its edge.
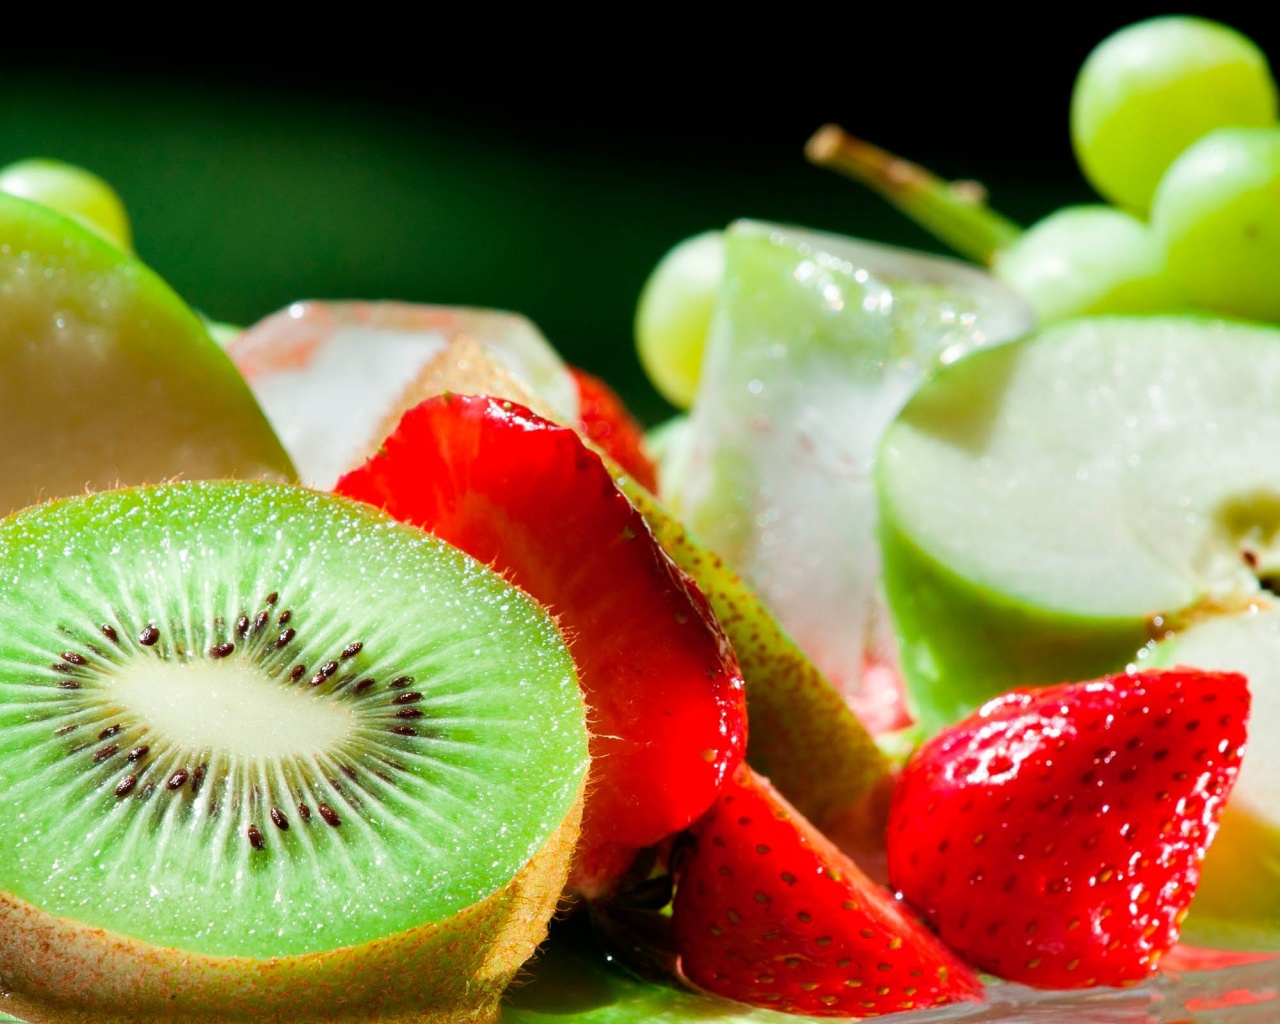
(1173, 122)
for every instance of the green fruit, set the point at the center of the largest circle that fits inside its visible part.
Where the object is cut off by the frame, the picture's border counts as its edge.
(106, 377)
(803, 734)
(674, 315)
(267, 754)
(1217, 215)
(1051, 508)
(1238, 902)
(72, 191)
(1088, 260)
(1149, 91)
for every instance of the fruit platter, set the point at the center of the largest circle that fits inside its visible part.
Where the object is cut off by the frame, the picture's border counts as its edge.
(369, 661)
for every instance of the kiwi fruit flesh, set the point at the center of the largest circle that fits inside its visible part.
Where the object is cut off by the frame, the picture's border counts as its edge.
(106, 376)
(268, 755)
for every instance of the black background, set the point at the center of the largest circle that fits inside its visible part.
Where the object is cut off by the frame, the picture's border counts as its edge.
(537, 164)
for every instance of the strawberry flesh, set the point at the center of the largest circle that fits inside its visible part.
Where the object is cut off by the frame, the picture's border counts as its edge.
(525, 496)
(1054, 837)
(608, 423)
(769, 912)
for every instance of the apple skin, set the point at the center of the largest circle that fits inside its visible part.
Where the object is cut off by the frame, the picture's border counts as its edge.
(962, 644)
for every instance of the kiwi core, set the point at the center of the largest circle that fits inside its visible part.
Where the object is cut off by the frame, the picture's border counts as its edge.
(232, 707)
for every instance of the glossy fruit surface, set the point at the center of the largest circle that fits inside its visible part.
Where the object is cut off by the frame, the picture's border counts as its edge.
(1216, 213)
(607, 423)
(203, 826)
(106, 376)
(1055, 837)
(674, 315)
(1087, 260)
(73, 192)
(1150, 90)
(768, 912)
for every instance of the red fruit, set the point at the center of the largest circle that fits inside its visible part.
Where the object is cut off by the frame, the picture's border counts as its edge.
(769, 912)
(1055, 836)
(667, 710)
(607, 423)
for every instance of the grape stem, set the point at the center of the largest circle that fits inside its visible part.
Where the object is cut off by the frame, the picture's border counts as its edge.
(953, 212)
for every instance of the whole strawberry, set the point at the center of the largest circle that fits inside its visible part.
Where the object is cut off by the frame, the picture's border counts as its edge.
(1054, 837)
(769, 912)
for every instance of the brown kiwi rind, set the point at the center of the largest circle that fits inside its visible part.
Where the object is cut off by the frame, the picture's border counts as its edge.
(77, 950)
(55, 971)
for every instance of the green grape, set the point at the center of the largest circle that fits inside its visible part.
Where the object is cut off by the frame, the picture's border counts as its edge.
(1150, 90)
(1084, 260)
(1217, 214)
(73, 191)
(674, 314)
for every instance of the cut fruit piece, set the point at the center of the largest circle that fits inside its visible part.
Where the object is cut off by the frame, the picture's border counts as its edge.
(817, 342)
(770, 913)
(1049, 508)
(106, 377)
(1054, 837)
(805, 737)
(1239, 901)
(374, 360)
(607, 423)
(526, 496)
(803, 733)
(259, 759)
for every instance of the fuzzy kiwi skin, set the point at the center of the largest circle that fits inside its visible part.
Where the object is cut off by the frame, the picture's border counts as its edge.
(55, 971)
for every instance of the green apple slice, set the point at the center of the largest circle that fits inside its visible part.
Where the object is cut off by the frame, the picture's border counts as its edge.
(1052, 508)
(1049, 507)
(106, 377)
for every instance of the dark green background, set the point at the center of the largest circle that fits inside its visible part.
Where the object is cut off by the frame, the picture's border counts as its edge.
(550, 186)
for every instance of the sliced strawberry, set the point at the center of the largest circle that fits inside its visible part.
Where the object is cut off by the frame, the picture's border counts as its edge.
(608, 423)
(1055, 836)
(667, 709)
(769, 912)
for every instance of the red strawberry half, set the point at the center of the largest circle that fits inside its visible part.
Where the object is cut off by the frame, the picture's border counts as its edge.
(667, 710)
(1055, 836)
(607, 422)
(769, 912)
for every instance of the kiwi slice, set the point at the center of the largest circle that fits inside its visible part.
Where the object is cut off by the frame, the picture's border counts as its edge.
(268, 754)
(106, 376)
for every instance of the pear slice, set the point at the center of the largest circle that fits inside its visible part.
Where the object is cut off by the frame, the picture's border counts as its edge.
(1052, 508)
(106, 377)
